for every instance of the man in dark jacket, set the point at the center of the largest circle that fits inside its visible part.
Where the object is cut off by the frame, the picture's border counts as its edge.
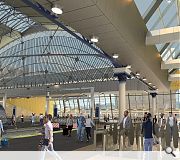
(148, 129)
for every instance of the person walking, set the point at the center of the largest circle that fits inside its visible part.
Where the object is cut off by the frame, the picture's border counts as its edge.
(22, 118)
(41, 119)
(1, 129)
(171, 131)
(125, 127)
(48, 139)
(81, 127)
(13, 120)
(70, 124)
(33, 119)
(148, 131)
(89, 123)
(162, 129)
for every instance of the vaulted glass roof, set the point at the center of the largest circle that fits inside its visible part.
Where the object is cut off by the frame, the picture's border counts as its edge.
(165, 15)
(14, 19)
(51, 57)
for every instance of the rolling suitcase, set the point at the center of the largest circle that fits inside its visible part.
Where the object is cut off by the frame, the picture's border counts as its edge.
(4, 142)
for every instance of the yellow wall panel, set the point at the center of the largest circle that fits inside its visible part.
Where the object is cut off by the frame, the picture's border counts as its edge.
(27, 106)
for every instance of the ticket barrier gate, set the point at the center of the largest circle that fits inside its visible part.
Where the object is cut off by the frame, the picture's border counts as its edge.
(106, 139)
(111, 138)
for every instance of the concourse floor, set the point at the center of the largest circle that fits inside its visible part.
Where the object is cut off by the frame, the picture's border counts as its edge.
(61, 143)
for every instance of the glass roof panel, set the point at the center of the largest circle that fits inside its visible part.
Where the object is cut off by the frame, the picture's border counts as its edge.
(74, 59)
(14, 19)
(165, 16)
(144, 5)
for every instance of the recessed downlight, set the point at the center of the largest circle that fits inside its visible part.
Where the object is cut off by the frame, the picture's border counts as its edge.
(57, 9)
(137, 74)
(94, 39)
(115, 55)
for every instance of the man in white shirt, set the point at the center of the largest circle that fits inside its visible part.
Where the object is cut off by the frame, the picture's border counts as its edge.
(48, 139)
(33, 119)
(124, 122)
(1, 128)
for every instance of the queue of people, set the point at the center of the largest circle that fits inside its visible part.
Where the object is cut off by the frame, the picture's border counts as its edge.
(153, 130)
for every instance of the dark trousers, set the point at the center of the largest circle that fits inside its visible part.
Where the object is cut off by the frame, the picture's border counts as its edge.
(88, 132)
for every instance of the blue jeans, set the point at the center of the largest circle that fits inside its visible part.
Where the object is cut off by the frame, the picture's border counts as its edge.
(80, 133)
(148, 143)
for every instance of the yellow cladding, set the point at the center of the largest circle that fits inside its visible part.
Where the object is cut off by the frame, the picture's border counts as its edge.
(175, 85)
(26, 106)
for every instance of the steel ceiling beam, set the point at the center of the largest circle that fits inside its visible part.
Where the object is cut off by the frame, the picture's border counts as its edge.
(44, 12)
(164, 48)
(172, 71)
(48, 55)
(152, 10)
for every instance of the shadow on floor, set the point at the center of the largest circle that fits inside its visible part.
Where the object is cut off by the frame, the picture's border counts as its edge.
(61, 143)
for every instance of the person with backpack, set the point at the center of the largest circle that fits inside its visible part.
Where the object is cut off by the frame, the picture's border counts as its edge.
(81, 127)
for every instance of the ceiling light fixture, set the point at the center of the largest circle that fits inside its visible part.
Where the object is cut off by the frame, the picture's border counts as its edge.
(137, 74)
(149, 83)
(144, 79)
(128, 66)
(154, 86)
(169, 1)
(94, 39)
(115, 56)
(57, 9)
(56, 85)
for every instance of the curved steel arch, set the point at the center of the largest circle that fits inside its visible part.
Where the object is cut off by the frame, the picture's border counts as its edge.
(66, 46)
(33, 72)
(56, 44)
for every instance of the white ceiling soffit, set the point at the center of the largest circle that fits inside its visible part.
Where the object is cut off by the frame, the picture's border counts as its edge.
(165, 35)
(174, 77)
(171, 64)
(105, 86)
(120, 29)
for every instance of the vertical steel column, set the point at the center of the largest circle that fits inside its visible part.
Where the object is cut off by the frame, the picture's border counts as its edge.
(122, 98)
(47, 103)
(64, 106)
(129, 105)
(92, 102)
(171, 101)
(111, 106)
(154, 107)
(79, 109)
(4, 100)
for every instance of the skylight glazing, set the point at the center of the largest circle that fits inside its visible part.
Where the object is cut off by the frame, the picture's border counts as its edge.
(14, 19)
(74, 61)
(165, 16)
